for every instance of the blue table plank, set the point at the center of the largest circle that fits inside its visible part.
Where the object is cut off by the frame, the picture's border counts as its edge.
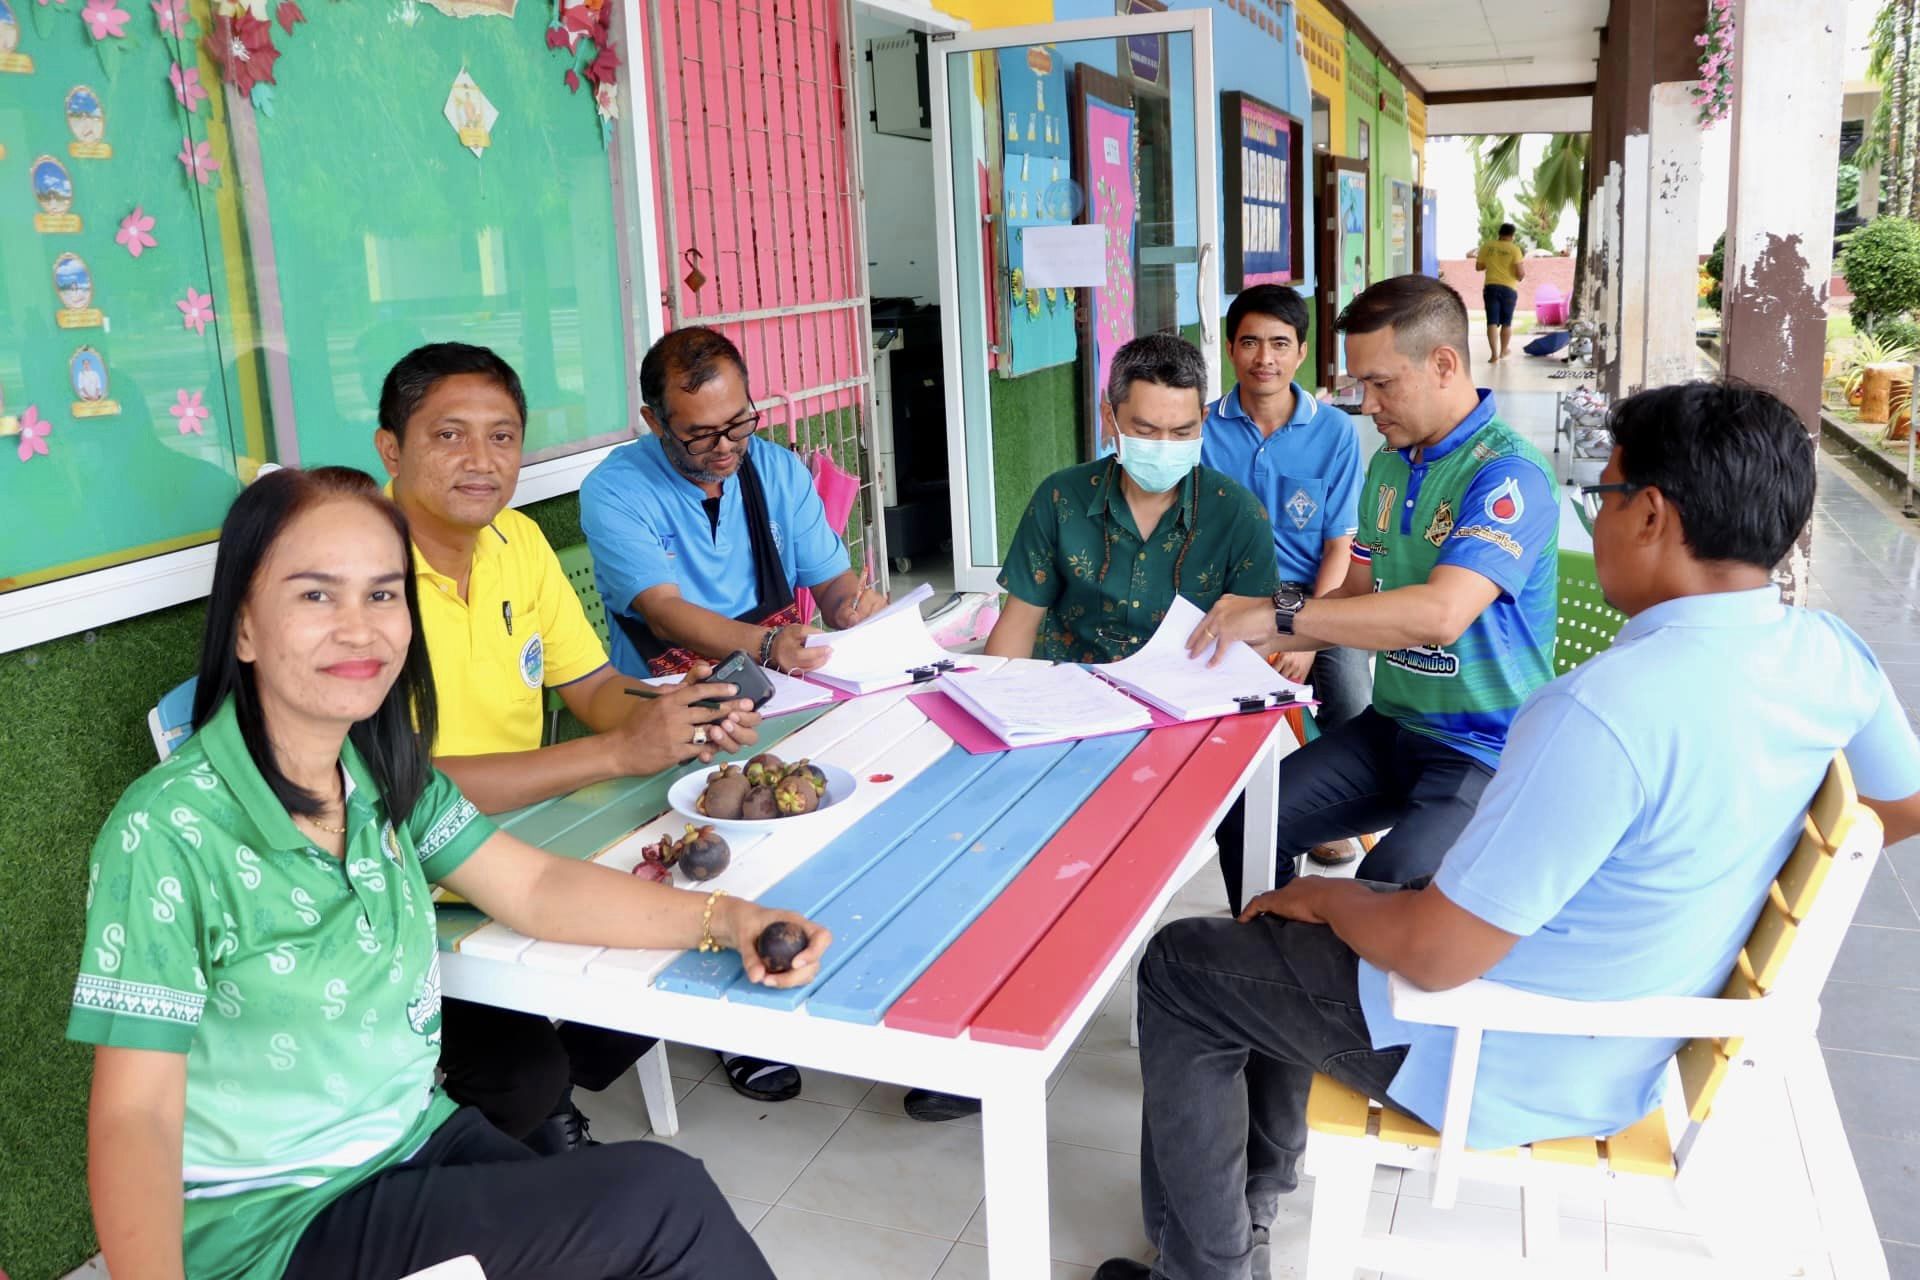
(867, 985)
(815, 882)
(858, 913)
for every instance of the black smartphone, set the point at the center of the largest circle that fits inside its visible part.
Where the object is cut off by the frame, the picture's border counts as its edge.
(745, 675)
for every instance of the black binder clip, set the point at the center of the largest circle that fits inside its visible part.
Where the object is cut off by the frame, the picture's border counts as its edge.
(921, 675)
(1251, 703)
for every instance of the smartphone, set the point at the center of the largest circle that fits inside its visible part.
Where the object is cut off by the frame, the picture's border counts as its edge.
(745, 675)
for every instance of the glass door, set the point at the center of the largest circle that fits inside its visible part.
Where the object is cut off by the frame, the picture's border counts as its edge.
(1075, 190)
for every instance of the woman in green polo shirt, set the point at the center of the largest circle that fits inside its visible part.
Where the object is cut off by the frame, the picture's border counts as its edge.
(261, 975)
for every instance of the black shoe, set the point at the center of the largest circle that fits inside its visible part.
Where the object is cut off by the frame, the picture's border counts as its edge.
(759, 1079)
(1126, 1269)
(925, 1104)
(563, 1131)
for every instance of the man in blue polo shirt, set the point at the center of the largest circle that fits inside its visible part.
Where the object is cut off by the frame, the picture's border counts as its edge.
(702, 531)
(1302, 460)
(1623, 850)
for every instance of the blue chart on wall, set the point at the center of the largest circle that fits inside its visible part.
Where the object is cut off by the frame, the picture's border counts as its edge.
(1037, 190)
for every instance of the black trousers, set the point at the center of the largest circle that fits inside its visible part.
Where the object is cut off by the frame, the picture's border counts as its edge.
(627, 1209)
(515, 1067)
(1361, 776)
(1234, 1021)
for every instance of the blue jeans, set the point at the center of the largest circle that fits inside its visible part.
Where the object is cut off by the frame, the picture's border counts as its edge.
(1234, 1021)
(1343, 684)
(1365, 775)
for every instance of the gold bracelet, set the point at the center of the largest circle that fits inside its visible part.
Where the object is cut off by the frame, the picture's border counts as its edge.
(706, 922)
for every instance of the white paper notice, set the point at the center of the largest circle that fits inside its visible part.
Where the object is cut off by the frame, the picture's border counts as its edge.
(1069, 257)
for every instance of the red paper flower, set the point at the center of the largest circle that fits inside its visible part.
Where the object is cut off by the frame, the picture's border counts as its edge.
(573, 80)
(556, 36)
(287, 14)
(604, 64)
(243, 46)
(33, 433)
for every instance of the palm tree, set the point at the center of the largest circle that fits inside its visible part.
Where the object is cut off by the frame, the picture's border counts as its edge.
(1558, 179)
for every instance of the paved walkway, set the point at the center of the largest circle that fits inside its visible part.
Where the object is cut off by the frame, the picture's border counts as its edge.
(1866, 568)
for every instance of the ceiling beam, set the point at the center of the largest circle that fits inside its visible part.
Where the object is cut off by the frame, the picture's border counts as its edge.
(1347, 18)
(1513, 93)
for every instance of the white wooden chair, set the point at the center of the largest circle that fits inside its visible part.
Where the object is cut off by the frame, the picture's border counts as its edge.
(1687, 1156)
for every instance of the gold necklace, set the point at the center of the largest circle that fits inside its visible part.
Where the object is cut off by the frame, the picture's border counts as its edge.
(318, 825)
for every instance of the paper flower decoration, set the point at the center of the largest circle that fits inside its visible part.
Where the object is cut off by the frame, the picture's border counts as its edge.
(104, 19)
(136, 232)
(189, 414)
(287, 14)
(33, 433)
(234, 8)
(172, 16)
(198, 159)
(243, 45)
(186, 86)
(196, 310)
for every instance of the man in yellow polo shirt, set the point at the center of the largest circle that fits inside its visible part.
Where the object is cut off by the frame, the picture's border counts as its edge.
(1503, 262)
(503, 625)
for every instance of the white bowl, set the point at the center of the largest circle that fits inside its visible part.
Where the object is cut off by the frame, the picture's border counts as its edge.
(685, 794)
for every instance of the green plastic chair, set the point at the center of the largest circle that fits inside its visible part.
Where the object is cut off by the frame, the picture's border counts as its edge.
(577, 562)
(1587, 624)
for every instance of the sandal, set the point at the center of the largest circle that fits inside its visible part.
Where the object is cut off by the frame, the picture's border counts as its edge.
(759, 1079)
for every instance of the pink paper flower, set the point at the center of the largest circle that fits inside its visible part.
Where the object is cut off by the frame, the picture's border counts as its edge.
(136, 232)
(197, 158)
(189, 414)
(172, 16)
(33, 433)
(196, 310)
(104, 18)
(186, 86)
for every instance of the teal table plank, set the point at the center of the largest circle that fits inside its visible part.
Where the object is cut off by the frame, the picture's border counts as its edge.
(859, 912)
(901, 950)
(821, 877)
(453, 921)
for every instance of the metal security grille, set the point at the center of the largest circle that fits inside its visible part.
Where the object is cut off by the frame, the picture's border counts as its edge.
(760, 216)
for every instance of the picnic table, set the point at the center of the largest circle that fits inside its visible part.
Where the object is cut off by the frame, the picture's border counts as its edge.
(982, 906)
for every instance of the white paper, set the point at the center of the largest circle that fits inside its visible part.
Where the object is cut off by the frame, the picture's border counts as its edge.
(879, 652)
(1044, 704)
(1067, 257)
(1163, 673)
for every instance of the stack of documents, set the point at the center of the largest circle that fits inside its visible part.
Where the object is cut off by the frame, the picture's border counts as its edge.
(1026, 705)
(886, 651)
(1162, 674)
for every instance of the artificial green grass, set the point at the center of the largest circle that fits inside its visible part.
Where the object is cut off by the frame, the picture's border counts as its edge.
(74, 737)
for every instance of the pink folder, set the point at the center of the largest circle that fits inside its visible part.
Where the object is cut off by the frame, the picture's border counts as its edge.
(976, 739)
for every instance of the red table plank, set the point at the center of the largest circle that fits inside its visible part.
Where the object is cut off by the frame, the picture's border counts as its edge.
(959, 984)
(1033, 1004)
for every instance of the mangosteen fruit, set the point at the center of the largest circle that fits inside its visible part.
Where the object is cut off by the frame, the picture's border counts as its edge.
(795, 794)
(779, 943)
(759, 805)
(807, 769)
(725, 792)
(703, 853)
(765, 769)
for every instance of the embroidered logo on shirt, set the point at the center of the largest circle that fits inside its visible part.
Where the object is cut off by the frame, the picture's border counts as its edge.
(1504, 541)
(1442, 524)
(1485, 452)
(1387, 494)
(779, 538)
(670, 545)
(1505, 505)
(1423, 661)
(533, 662)
(1302, 508)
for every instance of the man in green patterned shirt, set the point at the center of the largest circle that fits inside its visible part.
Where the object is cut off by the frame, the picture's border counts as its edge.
(1082, 584)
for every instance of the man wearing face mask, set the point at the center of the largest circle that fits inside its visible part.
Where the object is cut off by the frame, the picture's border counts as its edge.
(1104, 547)
(1452, 585)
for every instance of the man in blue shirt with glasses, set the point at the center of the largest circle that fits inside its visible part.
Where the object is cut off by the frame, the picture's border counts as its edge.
(1643, 805)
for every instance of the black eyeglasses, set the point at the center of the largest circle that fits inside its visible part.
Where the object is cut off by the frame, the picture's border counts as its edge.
(1593, 495)
(704, 441)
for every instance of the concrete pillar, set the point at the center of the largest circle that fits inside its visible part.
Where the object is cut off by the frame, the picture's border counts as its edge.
(1670, 280)
(1626, 369)
(1786, 137)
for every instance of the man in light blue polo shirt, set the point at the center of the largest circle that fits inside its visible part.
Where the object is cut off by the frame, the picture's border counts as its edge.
(1302, 460)
(702, 531)
(1643, 804)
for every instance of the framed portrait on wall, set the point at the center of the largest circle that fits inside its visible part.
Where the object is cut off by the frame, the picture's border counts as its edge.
(1263, 147)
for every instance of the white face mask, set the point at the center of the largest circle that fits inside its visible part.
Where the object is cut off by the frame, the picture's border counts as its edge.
(1158, 465)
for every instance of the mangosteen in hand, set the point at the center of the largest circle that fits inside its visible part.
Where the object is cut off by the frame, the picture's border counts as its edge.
(779, 943)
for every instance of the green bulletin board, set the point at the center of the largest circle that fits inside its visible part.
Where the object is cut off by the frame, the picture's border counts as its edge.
(119, 487)
(344, 226)
(388, 233)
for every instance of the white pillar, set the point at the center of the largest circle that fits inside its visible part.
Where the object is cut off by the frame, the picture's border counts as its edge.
(1630, 269)
(1786, 139)
(1608, 312)
(1672, 262)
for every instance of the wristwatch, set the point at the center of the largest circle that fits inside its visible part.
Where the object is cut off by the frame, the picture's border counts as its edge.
(1287, 602)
